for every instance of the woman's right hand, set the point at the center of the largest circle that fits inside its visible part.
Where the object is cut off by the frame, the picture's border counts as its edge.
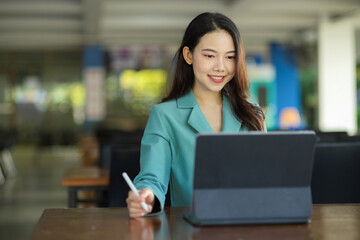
(134, 203)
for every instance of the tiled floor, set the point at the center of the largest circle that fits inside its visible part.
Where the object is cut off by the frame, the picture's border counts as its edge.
(37, 186)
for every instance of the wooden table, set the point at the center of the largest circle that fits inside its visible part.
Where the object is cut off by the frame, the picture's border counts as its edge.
(85, 178)
(327, 222)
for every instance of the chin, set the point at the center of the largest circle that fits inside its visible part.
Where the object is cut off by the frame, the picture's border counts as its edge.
(217, 89)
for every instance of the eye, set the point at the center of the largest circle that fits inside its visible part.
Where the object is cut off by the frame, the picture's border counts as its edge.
(209, 55)
(231, 57)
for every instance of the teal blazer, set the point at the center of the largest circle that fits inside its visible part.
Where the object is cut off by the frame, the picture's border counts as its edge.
(168, 147)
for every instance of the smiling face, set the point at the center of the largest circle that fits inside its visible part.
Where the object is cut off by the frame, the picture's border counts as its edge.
(213, 60)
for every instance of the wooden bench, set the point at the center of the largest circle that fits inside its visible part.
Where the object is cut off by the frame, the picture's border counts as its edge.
(86, 179)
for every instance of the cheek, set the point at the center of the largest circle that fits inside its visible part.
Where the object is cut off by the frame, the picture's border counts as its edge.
(231, 71)
(200, 65)
(231, 67)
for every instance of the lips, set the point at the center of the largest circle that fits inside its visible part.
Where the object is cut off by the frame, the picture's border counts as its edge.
(217, 79)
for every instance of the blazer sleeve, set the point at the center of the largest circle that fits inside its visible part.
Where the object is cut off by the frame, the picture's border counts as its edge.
(155, 157)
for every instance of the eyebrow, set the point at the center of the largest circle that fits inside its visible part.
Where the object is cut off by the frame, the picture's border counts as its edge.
(212, 50)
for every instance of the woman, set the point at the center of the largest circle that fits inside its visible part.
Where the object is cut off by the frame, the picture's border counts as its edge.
(209, 94)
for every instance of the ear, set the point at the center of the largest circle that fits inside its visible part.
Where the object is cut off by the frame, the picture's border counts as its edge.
(187, 55)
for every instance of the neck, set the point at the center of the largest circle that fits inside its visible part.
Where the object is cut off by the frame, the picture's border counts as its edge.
(208, 98)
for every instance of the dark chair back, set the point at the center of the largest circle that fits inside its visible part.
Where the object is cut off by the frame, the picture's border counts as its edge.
(332, 136)
(124, 160)
(106, 148)
(110, 139)
(336, 173)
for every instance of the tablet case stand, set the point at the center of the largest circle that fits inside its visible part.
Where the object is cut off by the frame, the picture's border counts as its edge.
(255, 206)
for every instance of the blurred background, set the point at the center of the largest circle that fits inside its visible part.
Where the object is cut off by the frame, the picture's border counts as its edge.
(72, 71)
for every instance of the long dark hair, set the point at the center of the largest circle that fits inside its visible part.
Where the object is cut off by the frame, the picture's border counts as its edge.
(237, 89)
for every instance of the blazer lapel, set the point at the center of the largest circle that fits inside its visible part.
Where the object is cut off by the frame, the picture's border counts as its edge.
(196, 118)
(198, 121)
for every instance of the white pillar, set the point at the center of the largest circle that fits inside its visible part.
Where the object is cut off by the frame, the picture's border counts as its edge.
(337, 80)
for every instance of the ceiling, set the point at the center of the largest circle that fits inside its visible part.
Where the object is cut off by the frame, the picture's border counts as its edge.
(64, 24)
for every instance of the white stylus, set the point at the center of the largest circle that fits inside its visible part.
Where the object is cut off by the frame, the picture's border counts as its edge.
(133, 189)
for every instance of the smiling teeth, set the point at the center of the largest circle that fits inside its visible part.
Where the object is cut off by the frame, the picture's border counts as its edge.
(217, 78)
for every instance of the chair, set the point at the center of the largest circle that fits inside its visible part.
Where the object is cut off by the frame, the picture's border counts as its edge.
(105, 151)
(2, 176)
(336, 172)
(124, 160)
(90, 178)
(7, 165)
(109, 139)
(332, 136)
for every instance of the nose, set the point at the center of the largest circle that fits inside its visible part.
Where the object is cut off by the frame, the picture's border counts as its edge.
(219, 65)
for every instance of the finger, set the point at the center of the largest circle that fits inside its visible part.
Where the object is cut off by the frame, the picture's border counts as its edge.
(134, 202)
(136, 215)
(134, 199)
(146, 192)
(139, 207)
(132, 195)
(150, 208)
(136, 211)
(136, 208)
(147, 196)
(135, 205)
(138, 204)
(130, 200)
